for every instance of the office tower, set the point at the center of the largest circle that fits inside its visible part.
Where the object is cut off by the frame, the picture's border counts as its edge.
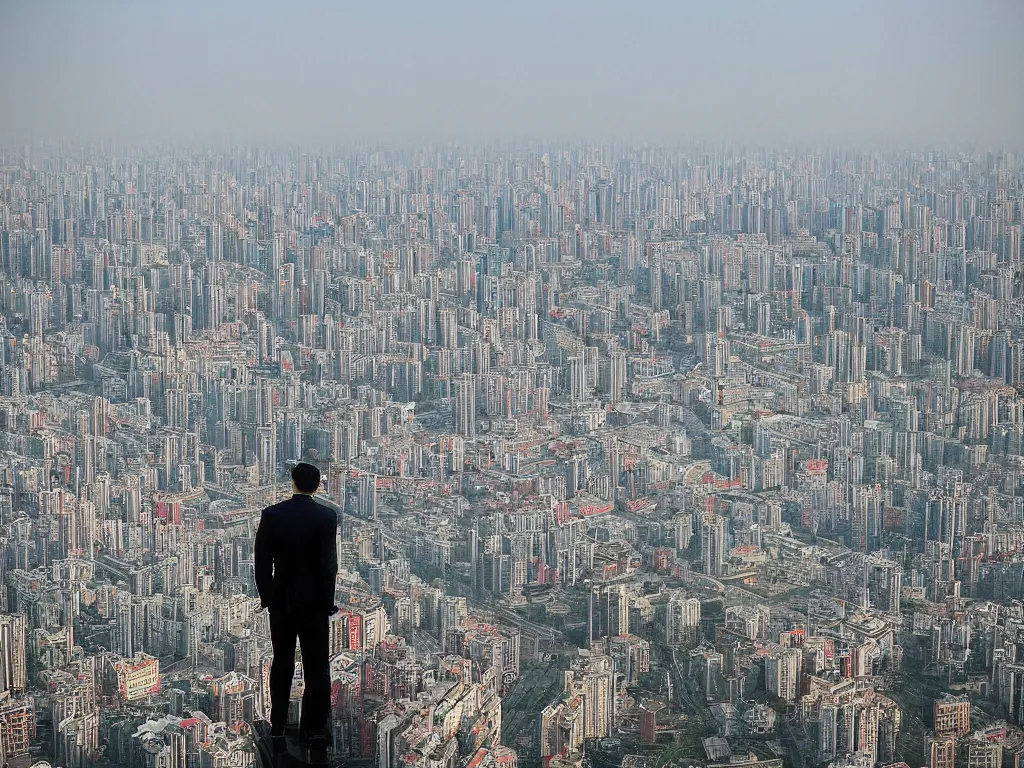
(617, 376)
(465, 406)
(714, 543)
(361, 495)
(608, 611)
(482, 283)
(598, 706)
(13, 664)
(866, 517)
(551, 737)
(649, 722)
(952, 716)
(135, 677)
(448, 328)
(984, 754)
(885, 584)
(682, 619)
(764, 318)
(577, 372)
(782, 669)
(942, 752)
(17, 727)
(654, 276)
(507, 213)
(454, 613)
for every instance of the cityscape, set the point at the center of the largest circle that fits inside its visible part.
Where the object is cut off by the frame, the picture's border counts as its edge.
(691, 454)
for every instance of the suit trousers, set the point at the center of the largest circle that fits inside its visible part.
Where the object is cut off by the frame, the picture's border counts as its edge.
(313, 634)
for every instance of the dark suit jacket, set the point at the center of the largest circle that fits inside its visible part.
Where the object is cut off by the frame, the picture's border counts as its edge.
(296, 557)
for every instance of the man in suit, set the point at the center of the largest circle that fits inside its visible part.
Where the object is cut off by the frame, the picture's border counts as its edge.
(296, 561)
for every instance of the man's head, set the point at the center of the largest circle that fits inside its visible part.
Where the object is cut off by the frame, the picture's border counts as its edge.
(305, 478)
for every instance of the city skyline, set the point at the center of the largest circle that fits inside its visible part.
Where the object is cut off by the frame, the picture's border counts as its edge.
(661, 365)
(632, 449)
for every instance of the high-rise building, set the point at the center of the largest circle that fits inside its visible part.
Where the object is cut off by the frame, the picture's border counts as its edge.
(577, 373)
(714, 543)
(134, 678)
(953, 716)
(782, 668)
(654, 276)
(361, 495)
(682, 619)
(17, 726)
(454, 612)
(609, 611)
(649, 721)
(13, 649)
(465, 406)
(942, 752)
(982, 753)
(617, 376)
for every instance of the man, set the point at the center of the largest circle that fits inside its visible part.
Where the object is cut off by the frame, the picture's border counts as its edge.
(296, 569)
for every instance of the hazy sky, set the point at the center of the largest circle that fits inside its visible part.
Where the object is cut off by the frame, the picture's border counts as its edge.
(295, 70)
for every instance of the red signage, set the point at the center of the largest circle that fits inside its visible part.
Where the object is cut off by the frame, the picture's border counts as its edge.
(355, 631)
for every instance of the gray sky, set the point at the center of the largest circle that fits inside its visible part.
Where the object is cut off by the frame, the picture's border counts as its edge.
(913, 71)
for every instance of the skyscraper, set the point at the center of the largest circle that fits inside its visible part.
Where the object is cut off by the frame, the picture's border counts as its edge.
(465, 406)
(617, 376)
(609, 611)
(682, 619)
(13, 673)
(714, 543)
(577, 377)
(782, 673)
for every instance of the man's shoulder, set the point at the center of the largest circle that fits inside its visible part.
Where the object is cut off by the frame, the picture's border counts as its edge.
(327, 511)
(274, 509)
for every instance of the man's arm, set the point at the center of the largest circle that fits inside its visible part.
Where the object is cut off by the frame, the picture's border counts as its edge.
(329, 560)
(263, 557)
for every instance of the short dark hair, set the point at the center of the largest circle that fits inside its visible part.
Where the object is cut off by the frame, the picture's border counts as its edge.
(306, 478)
